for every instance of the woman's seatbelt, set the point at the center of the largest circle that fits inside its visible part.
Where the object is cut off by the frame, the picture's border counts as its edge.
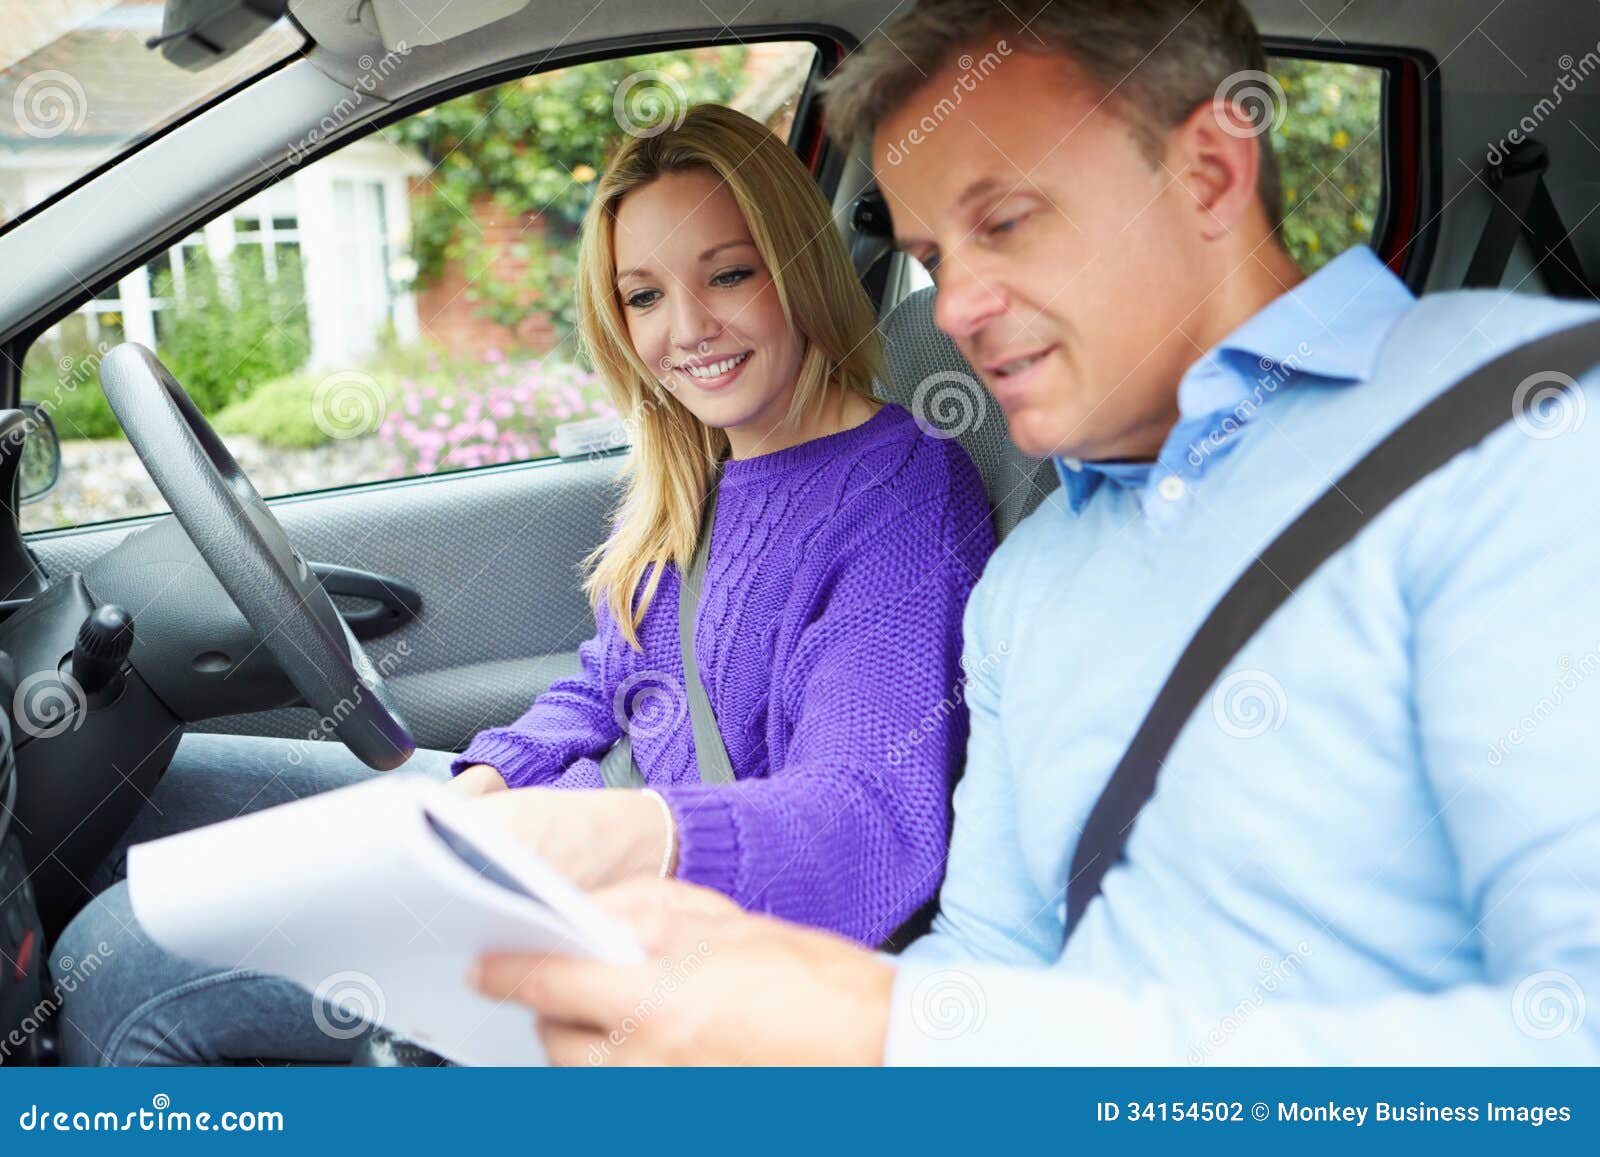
(618, 768)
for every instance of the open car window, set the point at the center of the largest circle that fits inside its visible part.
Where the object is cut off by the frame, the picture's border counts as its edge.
(79, 87)
(402, 306)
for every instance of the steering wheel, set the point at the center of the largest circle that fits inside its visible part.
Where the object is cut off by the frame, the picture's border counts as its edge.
(241, 541)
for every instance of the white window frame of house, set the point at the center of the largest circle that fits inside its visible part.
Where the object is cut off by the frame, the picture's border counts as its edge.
(278, 201)
(322, 233)
(308, 197)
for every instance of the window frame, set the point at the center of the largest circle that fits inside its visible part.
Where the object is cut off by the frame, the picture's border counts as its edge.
(822, 158)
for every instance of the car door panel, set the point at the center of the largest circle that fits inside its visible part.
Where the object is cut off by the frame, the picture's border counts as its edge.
(496, 556)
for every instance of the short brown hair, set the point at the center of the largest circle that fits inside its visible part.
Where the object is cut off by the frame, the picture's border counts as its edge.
(1156, 61)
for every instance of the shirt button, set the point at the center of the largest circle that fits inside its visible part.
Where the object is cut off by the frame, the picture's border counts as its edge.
(1171, 488)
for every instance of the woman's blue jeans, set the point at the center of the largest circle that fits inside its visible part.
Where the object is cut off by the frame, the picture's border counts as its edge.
(125, 1001)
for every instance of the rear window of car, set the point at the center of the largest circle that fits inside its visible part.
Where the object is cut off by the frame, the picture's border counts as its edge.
(1327, 130)
(79, 87)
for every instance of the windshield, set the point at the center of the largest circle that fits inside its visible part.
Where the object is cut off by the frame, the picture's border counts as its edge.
(78, 87)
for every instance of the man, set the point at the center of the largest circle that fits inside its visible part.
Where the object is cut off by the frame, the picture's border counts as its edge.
(1378, 840)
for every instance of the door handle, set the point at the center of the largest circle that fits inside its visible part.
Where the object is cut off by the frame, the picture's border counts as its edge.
(398, 602)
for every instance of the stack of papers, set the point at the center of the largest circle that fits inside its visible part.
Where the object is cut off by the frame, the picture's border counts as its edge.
(379, 898)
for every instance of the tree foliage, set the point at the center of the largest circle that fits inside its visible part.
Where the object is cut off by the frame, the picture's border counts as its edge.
(1329, 141)
(534, 147)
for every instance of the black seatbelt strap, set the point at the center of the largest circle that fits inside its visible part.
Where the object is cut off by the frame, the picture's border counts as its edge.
(1523, 207)
(1456, 420)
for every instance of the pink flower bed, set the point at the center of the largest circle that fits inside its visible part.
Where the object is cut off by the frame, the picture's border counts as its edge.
(481, 413)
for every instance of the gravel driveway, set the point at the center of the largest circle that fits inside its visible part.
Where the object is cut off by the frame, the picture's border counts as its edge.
(104, 479)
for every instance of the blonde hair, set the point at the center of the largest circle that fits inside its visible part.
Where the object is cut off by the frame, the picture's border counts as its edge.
(674, 454)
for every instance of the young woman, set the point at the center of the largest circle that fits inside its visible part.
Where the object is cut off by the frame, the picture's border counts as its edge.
(719, 305)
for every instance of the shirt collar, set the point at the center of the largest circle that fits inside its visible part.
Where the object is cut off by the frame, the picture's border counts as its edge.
(1328, 329)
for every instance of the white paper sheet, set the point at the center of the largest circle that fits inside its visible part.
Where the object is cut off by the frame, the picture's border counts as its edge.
(353, 895)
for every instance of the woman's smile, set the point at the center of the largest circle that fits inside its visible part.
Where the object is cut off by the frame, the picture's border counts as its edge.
(714, 374)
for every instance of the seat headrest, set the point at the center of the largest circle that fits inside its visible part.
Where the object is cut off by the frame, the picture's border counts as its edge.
(930, 378)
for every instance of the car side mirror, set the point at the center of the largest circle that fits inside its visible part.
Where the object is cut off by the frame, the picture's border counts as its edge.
(40, 468)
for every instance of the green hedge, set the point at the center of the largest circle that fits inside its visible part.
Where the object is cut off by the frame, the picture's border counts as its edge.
(233, 327)
(230, 330)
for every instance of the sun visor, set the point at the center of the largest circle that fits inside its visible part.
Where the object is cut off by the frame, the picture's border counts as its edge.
(412, 23)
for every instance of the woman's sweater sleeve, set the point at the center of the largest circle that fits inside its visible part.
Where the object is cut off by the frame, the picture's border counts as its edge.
(559, 740)
(850, 833)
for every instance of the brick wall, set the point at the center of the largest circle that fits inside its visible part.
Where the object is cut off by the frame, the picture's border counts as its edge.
(447, 313)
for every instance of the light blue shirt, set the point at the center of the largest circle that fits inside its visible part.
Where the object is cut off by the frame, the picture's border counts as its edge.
(1378, 838)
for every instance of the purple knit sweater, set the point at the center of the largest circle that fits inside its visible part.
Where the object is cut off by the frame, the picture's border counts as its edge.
(829, 640)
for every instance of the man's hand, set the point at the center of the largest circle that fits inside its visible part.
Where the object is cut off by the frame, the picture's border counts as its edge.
(720, 987)
(478, 779)
(592, 836)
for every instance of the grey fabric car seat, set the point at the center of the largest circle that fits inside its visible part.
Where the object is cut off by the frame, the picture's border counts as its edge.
(930, 378)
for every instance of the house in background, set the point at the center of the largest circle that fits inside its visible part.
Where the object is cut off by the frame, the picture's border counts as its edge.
(83, 95)
(347, 215)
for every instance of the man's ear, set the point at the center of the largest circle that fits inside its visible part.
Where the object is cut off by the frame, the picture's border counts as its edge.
(1216, 154)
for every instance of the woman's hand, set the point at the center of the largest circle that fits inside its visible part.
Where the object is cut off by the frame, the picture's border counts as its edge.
(593, 837)
(478, 779)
